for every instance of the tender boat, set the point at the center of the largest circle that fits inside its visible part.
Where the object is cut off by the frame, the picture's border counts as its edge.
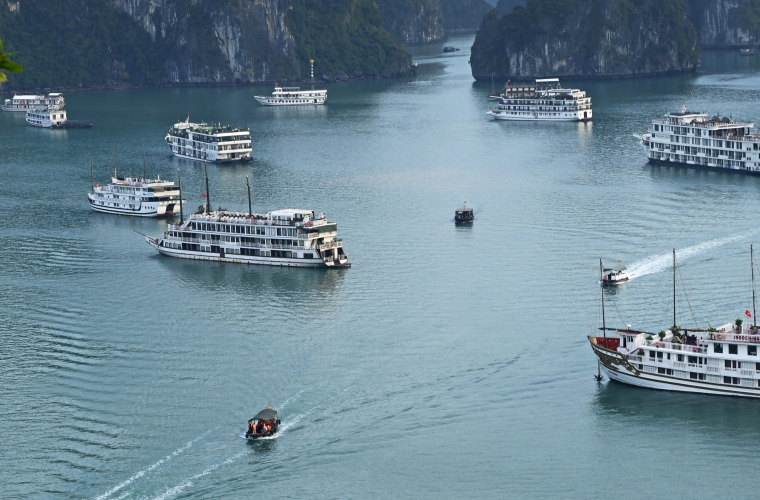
(264, 424)
(747, 52)
(293, 96)
(450, 49)
(463, 215)
(613, 275)
(719, 361)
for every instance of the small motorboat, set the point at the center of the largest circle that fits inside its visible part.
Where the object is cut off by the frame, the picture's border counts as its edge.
(450, 49)
(613, 275)
(264, 424)
(463, 215)
(747, 52)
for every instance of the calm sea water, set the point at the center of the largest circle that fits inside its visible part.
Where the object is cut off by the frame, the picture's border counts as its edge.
(448, 362)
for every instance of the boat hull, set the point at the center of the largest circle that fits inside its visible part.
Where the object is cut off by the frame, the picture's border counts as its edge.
(619, 369)
(266, 101)
(241, 259)
(234, 160)
(142, 212)
(534, 118)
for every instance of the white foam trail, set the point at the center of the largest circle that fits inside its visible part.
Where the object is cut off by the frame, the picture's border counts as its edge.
(175, 490)
(658, 263)
(148, 469)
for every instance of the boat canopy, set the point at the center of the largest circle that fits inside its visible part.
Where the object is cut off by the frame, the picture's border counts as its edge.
(617, 267)
(462, 210)
(268, 414)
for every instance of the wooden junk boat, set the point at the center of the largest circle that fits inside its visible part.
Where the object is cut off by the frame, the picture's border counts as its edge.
(464, 214)
(264, 424)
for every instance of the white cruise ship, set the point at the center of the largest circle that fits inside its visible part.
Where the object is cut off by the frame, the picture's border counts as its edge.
(24, 103)
(46, 117)
(137, 197)
(690, 139)
(214, 143)
(544, 101)
(720, 361)
(293, 96)
(278, 238)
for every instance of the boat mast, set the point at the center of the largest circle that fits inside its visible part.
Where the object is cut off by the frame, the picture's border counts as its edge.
(92, 180)
(143, 167)
(208, 195)
(674, 287)
(604, 324)
(179, 184)
(116, 160)
(250, 212)
(752, 263)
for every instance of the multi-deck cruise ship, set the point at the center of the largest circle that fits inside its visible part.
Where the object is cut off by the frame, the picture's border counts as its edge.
(54, 102)
(721, 361)
(46, 117)
(293, 96)
(690, 139)
(214, 143)
(544, 101)
(137, 197)
(278, 238)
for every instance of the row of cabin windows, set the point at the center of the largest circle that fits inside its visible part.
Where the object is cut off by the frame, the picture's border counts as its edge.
(734, 349)
(702, 376)
(233, 228)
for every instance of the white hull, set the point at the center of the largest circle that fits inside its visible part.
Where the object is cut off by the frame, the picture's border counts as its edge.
(268, 101)
(14, 110)
(148, 209)
(209, 160)
(618, 368)
(236, 259)
(534, 118)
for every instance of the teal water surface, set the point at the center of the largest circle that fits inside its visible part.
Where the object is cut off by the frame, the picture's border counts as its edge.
(448, 362)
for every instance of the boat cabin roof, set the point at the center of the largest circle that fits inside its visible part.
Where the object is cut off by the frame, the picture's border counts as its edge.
(267, 414)
(463, 210)
(290, 213)
(617, 267)
(27, 97)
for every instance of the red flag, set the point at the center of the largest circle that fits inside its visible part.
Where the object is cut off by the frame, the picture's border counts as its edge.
(204, 195)
(749, 314)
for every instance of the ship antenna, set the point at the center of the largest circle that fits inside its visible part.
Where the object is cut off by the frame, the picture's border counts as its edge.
(674, 288)
(250, 212)
(92, 179)
(208, 195)
(752, 262)
(179, 184)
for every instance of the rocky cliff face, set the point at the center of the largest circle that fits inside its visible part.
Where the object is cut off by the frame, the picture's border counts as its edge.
(726, 23)
(413, 22)
(219, 41)
(586, 37)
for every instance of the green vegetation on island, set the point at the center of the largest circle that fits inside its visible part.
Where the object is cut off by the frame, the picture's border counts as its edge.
(344, 36)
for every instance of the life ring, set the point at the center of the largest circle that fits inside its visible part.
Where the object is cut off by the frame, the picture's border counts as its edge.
(720, 337)
(308, 224)
(657, 344)
(694, 349)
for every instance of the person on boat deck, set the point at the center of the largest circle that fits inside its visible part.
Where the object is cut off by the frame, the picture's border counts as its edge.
(259, 427)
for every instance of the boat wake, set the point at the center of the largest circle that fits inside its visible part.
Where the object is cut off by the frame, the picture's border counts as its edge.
(661, 262)
(176, 490)
(148, 469)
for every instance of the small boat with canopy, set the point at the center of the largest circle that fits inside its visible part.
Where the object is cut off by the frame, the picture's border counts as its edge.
(613, 275)
(464, 214)
(264, 424)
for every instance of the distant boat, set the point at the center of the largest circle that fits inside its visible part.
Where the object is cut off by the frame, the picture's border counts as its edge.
(450, 49)
(747, 52)
(463, 215)
(292, 96)
(612, 275)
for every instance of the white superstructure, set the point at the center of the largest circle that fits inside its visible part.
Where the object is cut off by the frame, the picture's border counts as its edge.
(293, 96)
(689, 138)
(46, 117)
(137, 197)
(214, 143)
(544, 101)
(278, 238)
(24, 103)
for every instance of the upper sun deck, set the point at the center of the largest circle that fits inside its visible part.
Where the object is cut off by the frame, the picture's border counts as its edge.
(140, 183)
(695, 119)
(286, 217)
(218, 130)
